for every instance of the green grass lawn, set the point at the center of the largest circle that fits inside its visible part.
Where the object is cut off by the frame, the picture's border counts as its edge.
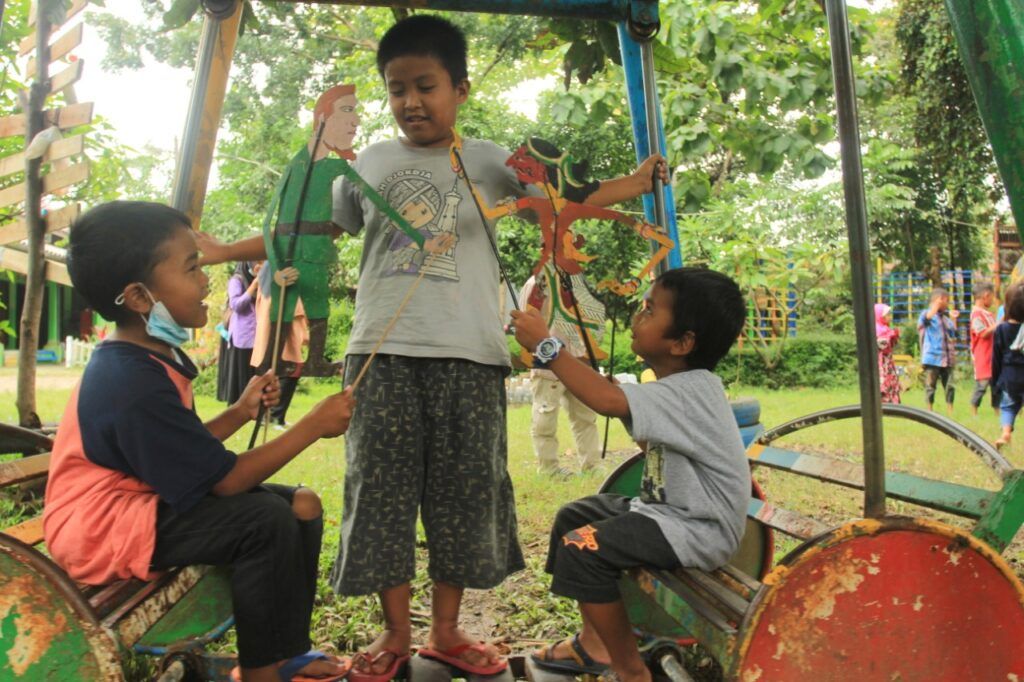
(521, 612)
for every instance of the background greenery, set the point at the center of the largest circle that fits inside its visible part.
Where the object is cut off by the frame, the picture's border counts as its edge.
(747, 101)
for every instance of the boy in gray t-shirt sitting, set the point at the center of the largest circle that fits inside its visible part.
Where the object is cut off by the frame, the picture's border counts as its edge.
(696, 480)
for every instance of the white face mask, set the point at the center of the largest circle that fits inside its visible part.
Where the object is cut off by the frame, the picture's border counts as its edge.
(160, 324)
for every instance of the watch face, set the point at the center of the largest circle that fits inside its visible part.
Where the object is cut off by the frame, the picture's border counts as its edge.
(546, 349)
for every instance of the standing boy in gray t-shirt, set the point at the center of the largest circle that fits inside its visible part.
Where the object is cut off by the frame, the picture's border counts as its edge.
(696, 480)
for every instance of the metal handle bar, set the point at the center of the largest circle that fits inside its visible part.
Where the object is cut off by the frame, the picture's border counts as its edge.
(970, 440)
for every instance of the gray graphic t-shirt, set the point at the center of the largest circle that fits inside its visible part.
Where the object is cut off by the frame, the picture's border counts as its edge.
(696, 480)
(454, 312)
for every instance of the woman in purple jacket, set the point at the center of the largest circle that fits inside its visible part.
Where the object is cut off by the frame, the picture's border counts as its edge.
(242, 330)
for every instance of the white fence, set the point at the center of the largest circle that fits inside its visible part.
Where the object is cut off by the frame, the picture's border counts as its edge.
(76, 353)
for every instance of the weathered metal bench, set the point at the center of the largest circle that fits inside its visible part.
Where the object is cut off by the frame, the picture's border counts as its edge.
(891, 598)
(54, 629)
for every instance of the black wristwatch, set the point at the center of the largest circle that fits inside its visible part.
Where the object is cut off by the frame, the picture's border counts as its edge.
(546, 351)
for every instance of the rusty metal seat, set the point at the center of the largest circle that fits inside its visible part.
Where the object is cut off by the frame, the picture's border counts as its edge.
(896, 597)
(63, 630)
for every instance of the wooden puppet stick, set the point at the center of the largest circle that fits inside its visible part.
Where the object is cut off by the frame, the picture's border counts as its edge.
(394, 318)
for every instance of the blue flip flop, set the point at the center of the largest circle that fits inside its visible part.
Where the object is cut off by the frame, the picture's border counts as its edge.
(581, 662)
(289, 671)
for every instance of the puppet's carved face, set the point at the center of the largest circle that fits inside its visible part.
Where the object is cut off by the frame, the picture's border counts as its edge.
(341, 126)
(528, 169)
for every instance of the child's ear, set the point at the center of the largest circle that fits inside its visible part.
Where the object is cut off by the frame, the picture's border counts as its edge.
(684, 345)
(462, 91)
(136, 300)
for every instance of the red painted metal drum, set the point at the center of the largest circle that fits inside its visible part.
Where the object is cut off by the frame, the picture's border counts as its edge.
(897, 599)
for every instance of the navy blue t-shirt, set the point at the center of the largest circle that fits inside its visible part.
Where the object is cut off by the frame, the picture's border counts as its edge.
(136, 415)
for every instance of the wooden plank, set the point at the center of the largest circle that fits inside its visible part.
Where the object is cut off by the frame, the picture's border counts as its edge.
(111, 596)
(24, 469)
(727, 601)
(60, 47)
(68, 76)
(953, 498)
(17, 261)
(30, 532)
(64, 118)
(54, 182)
(61, 149)
(29, 42)
(785, 521)
(136, 616)
(55, 220)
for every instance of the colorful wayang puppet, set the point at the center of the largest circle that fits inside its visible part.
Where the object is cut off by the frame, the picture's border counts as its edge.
(560, 178)
(298, 224)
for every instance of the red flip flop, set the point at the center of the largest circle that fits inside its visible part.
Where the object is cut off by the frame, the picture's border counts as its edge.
(398, 660)
(452, 658)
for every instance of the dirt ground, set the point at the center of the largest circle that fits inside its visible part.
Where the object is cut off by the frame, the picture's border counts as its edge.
(47, 377)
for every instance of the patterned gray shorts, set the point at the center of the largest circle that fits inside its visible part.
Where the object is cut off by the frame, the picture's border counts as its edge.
(428, 436)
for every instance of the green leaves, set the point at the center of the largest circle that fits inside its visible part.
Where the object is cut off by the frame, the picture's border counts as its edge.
(179, 14)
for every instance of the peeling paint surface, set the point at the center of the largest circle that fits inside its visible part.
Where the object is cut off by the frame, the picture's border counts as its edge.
(873, 591)
(35, 625)
(42, 633)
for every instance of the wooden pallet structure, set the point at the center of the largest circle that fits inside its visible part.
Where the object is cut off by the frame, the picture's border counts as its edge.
(63, 165)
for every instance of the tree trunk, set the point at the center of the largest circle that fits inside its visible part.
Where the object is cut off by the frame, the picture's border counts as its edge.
(28, 336)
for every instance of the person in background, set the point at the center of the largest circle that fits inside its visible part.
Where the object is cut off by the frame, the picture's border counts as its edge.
(1008, 362)
(887, 337)
(549, 395)
(290, 362)
(936, 329)
(236, 367)
(983, 325)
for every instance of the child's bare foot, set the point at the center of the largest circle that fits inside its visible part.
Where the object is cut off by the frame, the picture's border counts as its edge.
(1001, 442)
(476, 653)
(391, 645)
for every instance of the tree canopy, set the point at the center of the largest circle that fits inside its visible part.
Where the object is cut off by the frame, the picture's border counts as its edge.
(747, 100)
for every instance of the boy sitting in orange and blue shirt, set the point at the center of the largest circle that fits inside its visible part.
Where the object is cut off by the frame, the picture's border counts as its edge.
(138, 484)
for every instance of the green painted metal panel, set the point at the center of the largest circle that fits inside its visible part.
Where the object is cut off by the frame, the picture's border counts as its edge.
(990, 35)
(41, 637)
(655, 600)
(201, 611)
(1005, 514)
(646, 615)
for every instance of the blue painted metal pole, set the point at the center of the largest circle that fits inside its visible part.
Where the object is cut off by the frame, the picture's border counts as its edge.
(632, 66)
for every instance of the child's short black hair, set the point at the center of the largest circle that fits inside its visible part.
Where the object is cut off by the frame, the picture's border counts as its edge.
(1013, 306)
(708, 304)
(981, 288)
(117, 244)
(938, 292)
(426, 35)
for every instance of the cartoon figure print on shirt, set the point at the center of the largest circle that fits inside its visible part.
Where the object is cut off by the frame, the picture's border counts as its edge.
(435, 216)
(652, 484)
